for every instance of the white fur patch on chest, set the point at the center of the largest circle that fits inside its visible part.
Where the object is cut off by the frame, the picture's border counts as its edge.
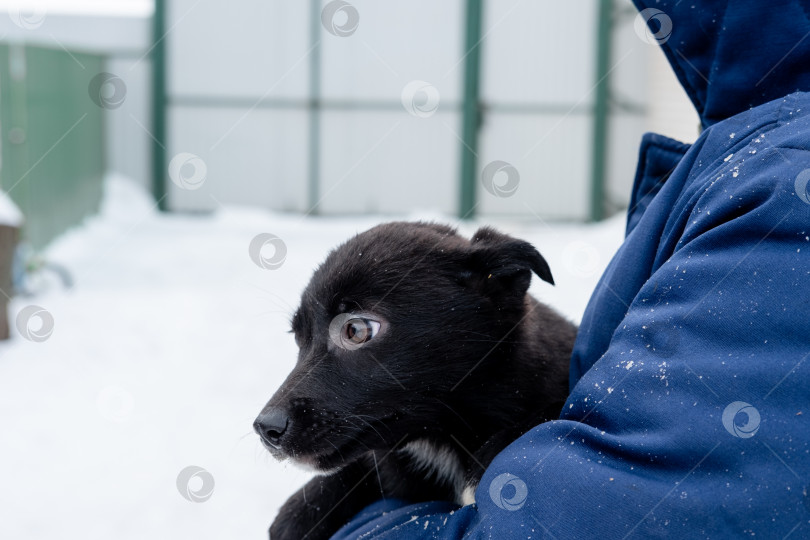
(443, 462)
(468, 495)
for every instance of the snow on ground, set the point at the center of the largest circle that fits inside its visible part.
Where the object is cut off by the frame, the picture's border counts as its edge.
(163, 353)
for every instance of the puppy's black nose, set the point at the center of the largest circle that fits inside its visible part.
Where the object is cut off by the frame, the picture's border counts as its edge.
(271, 425)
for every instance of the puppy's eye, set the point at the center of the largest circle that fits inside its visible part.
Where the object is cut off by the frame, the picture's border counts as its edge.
(359, 330)
(350, 331)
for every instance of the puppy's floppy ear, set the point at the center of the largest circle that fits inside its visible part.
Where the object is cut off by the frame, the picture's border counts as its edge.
(505, 263)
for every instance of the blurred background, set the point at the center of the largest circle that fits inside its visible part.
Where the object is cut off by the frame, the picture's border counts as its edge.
(145, 144)
(363, 108)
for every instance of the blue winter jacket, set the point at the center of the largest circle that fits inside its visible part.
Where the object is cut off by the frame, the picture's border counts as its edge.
(689, 413)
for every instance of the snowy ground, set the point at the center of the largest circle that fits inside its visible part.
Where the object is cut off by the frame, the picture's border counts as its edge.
(163, 353)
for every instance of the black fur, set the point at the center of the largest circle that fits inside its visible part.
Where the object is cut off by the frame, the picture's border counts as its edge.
(464, 361)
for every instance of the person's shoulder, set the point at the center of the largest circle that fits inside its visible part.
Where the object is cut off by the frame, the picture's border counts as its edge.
(748, 140)
(756, 161)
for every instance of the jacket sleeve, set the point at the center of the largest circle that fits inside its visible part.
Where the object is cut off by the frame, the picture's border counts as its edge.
(695, 420)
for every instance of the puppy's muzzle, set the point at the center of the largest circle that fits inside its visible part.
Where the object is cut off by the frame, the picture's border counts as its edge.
(271, 425)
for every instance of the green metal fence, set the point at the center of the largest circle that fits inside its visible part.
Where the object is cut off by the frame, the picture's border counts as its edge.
(472, 107)
(51, 137)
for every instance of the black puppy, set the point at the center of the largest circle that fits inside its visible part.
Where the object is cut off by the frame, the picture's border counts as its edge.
(421, 358)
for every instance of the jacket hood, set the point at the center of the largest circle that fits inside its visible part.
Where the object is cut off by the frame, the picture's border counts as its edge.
(732, 55)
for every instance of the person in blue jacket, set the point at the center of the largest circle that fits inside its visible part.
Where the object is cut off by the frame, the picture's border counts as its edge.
(689, 412)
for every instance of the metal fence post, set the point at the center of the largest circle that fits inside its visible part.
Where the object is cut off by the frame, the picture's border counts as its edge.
(159, 170)
(601, 109)
(471, 110)
(314, 103)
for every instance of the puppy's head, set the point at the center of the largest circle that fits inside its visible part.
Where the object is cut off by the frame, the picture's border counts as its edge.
(392, 328)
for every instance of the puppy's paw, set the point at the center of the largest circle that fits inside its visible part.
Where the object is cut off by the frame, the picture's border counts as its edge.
(295, 529)
(286, 529)
(302, 520)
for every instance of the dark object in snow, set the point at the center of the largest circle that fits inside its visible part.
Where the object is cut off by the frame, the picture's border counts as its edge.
(421, 357)
(11, 219)
(8, 241)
